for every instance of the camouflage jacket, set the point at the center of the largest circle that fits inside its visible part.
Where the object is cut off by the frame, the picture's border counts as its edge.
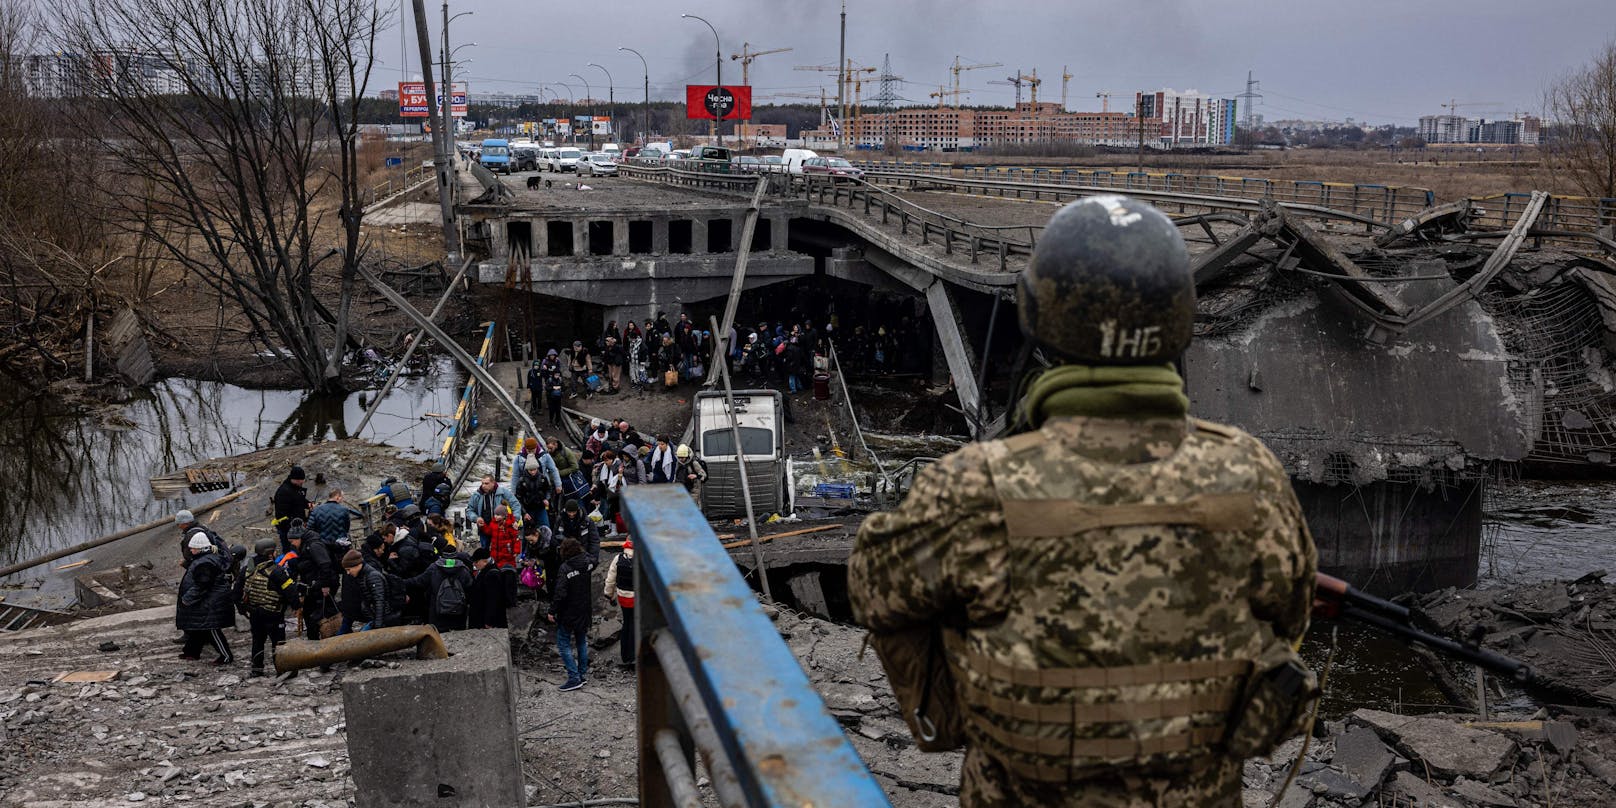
(1057, 596)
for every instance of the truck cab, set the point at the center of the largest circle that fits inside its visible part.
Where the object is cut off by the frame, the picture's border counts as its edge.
(496, 155)
(760, 418)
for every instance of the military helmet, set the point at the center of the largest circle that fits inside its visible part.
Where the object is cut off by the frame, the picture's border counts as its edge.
(1109, 284)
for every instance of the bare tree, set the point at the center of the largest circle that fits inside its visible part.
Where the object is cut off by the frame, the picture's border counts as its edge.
(234, 125)
(1582, 114)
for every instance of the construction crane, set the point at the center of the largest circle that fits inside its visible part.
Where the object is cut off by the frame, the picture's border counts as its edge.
(747, 55)
(1105, 100)
(943, 92)
(959, 68)
(1453, 106)
(1033, 81)
(1066, 78)
(821, 98)
(1015, 81)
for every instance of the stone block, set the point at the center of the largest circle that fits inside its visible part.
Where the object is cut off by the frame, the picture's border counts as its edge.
(439, 732)
(1449, 748)
(1362, 755)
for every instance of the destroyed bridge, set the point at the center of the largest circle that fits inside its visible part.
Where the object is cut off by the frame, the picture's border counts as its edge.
(1394, 353)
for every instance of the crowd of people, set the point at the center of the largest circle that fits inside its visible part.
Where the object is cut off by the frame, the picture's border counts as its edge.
(662, 353)
(538, 536)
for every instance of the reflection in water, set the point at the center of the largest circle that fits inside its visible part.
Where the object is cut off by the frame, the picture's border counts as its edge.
(69, 477)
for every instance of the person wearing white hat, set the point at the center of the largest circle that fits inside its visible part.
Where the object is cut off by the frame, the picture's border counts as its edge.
(204, 605)
(689, 470)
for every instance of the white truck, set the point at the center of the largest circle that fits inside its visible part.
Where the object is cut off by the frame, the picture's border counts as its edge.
(760, 417)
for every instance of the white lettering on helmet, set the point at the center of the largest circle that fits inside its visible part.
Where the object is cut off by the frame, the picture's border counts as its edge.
(1120, 215)
(1130, 343)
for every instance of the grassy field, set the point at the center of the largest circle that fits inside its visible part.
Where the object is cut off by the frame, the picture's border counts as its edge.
(1450, 174)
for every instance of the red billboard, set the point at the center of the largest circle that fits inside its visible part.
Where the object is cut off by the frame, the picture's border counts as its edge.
(412, 100)
(709, 101)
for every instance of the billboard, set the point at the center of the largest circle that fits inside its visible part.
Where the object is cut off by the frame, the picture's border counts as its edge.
(601, 125)
(709, 102)
(412, 99)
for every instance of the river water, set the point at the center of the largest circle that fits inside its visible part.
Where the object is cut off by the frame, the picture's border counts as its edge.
(66, 477)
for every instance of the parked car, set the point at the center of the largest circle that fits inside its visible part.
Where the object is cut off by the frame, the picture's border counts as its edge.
(792, 159)
(566, 159)
(834, 166)
(546, 154)
(525, 159)
(773, 163)
(597, 164)
(746, 164)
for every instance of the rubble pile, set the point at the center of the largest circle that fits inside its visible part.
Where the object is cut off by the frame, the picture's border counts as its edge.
(1566, 630)
(158, 729)
(1380, 758)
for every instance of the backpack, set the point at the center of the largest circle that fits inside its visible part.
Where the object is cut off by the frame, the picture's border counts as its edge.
(259, 591)
(450, 599)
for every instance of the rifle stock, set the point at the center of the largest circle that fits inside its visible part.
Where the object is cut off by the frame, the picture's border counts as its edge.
(1334, 597)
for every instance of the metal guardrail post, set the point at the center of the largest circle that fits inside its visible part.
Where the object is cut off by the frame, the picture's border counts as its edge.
(714, 671)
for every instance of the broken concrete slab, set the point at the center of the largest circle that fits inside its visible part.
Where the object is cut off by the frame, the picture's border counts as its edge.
(468, 755)
(1481, 793)
(1449, 749)
(1424, 794)
(1361, 754)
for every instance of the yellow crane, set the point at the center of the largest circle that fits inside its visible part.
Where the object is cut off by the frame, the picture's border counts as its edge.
(746, 56)
(943, 92)
(959, 68)
(1033, 81)
(1066, 78)
(1105, 100)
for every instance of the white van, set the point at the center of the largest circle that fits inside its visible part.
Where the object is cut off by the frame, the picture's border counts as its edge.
(758, 413)
(546, 154)
(792, 159)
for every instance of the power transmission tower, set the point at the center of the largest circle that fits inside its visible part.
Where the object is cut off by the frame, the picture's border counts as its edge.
(887, 98)
(1249, 98)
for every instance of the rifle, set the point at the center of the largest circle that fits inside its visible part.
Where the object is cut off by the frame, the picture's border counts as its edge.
(1334, 597)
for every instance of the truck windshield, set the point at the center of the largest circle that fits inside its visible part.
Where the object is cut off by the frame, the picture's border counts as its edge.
(570, 154)
(495, 151)
(721, 442)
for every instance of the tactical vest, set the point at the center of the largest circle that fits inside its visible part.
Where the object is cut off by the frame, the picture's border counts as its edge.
(257, 591)
(1124, 649)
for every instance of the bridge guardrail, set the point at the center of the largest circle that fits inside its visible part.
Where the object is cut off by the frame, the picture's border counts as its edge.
(715, 677)
(955, 234)
(466, 411)
(1584, 213)
(393, 186)
(1386, 203)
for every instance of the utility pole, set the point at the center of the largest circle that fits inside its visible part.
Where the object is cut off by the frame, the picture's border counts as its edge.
(1140, 114)
(841, 82)
(451, 240)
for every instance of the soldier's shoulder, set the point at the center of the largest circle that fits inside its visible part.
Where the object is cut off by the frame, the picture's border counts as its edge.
(1242, 444)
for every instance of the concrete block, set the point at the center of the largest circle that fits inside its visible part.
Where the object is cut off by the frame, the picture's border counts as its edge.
(438, 732)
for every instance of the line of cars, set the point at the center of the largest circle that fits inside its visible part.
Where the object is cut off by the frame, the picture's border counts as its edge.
(508, 156)
(723, 160)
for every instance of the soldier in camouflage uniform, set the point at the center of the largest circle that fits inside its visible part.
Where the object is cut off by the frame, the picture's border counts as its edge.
(1088, 605)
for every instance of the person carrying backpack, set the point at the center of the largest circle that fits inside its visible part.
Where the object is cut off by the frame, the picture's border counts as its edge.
(262, 595)
(375, 600)
(446, 586)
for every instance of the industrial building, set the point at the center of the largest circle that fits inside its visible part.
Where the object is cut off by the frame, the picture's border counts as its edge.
(1162, 119)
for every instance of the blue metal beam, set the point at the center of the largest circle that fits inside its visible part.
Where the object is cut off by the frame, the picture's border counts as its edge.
(783, 744)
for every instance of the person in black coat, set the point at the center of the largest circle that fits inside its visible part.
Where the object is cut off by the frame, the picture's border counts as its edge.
(434, 478)
(436, 587)
(535, 389)
(318, 579)
(204, 603)
(487, 604)
(291, 501)
(372, 582)
(571, 611)
(187, 523)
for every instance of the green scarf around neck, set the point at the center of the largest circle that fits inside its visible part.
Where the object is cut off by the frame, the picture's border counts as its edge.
(1103, 391)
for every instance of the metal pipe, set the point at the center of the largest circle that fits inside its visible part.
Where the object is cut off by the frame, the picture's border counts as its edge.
(410, 351)
(300, 654)
(108, 539)
(681, 782)
(676, 671)
(740, 465)
(451, 241)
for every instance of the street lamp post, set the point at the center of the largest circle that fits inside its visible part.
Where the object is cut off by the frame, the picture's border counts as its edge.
(589, 95)
(645, 112)
(611, 98)
(571, 100)
(718, 60)
(448, 92)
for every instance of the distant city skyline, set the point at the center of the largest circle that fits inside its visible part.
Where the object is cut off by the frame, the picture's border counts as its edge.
(1375, 61)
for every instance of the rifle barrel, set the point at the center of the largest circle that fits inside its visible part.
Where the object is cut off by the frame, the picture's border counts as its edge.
(1351, 595)
(1497, 663)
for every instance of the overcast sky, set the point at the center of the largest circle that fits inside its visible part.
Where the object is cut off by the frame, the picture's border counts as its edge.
(1377, 61)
